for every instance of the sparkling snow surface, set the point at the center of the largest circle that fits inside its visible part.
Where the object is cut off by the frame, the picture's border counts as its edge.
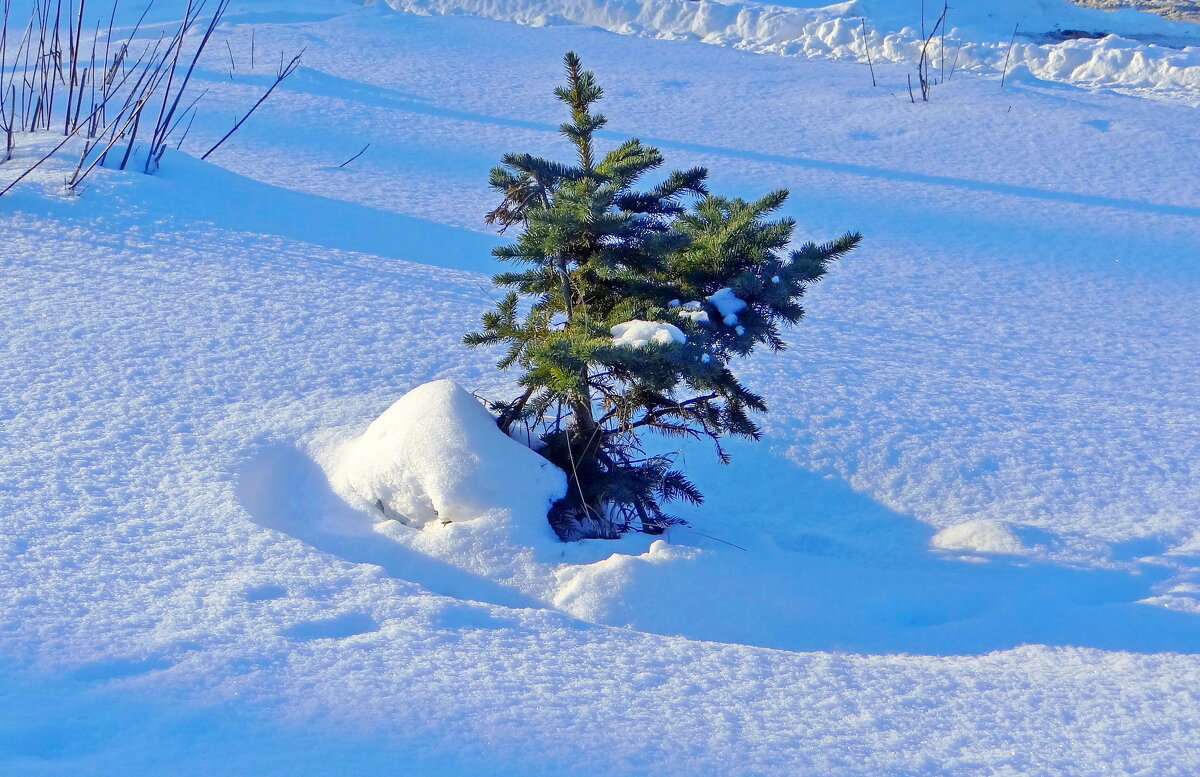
(969, 542)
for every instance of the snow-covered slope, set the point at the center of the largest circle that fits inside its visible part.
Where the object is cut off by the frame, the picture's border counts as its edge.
(969, 541)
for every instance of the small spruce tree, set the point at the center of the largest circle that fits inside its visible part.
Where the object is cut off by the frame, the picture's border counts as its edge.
(626, 309)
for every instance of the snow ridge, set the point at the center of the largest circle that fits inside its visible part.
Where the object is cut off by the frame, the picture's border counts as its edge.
(835, 32)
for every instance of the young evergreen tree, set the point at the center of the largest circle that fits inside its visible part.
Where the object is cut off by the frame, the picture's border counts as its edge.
(625, 311)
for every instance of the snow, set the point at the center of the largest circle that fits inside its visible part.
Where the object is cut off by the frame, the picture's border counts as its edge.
(639, 334)
(1125, 48)
(967, 544)
(437, 455)
(983, 536)
(693, 311)
(696, 316)
(728, 304)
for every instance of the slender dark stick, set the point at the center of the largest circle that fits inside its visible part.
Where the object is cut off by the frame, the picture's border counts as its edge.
(4, 59)
(867, 49)
(53, 66)
(186, 129)
(177, 44)
(27, 86)
(77, 177)
(79, 103)
(117, 131)
(135, 93)
(942, 43)
(923, 63)
(1004, 73)
(718, 539)
(159, 140)
(284, 72)
(954, 64)
(8, 134)
(183, 115)
(6, 121)
(75, 38)
(356, 156)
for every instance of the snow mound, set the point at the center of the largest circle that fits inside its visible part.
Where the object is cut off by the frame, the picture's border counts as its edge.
(437, 455)
(608, 592)
(639, 334)
(982, 536)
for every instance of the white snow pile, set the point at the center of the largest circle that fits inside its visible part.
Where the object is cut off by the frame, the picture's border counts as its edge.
(692, 311)
(608, 591)
(637, 333)
(729, 304)
(1057, 41)
(437, 455)
(981, 536)
(435, 474)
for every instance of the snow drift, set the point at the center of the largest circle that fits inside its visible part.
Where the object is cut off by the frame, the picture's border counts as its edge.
(436, 461)
(1057, 41)
(437, 455)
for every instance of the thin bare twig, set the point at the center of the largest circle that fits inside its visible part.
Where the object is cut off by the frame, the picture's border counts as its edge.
(356, 156)
(1004, 72)
(923, 63)
(284, 72)
(867, 49)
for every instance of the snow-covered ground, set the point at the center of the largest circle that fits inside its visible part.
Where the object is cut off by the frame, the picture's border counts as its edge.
(969, 544)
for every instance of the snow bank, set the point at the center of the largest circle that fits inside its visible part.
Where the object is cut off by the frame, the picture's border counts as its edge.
(437, 455)
(977, 39)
